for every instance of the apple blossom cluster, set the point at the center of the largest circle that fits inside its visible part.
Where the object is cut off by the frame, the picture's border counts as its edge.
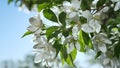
(45, 53)
(76, 30)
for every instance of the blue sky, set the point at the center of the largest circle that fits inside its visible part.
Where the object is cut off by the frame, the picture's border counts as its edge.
(13, 24)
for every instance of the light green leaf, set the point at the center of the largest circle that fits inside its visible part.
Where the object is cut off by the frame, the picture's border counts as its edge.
(63, 52)
(84, 41)
(70, 59)
(81, 41)
(27, 33)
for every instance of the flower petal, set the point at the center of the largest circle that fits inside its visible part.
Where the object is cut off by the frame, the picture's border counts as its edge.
(72, 14)
(77, 45)
(38, 32)
(117, 6)
(67, 6)
(35, 21)
(70, 48)
(32, 28)
(39, 57)
(75, 31)
(102, 47)
(87, 15)
(95, 25)
(86, 28)
(106, 61)
(75, 4)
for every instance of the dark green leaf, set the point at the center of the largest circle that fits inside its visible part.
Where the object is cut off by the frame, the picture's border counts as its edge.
(86, 4)
(27, 33)
(55, 34)
(72, 23)
(65, 32)
(63, 52)
(87, 39)
(83, 20)
(50, 31)
(57, 46)
(100, 3)
(98, 54)
(50, 15)
(62, 18)
(117, 49)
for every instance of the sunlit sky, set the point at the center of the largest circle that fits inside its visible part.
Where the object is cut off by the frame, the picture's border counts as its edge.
(13, 24)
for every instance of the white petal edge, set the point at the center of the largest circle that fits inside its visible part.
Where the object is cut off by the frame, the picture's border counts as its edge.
(102, 47)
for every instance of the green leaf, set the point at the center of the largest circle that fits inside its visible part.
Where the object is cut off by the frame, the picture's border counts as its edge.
(63, 52)
(72, 23)
(117, 49)
(27, 33)
(62, 58)
(65, 32)
(87, 39)
(84, 40)
(83, 20)
(68, 58)
(50, 31)
(50, 15)
(42, 6)
(86, 4)
(71, 57)
(62, 18)
(98, 54)
(57, 46)
(100, 3)
(81, 41)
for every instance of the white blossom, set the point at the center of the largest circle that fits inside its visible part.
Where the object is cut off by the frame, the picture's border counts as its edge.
(75, 31)
(41, 56)
(72, 8)
(106, 61)
(100, 41)
(117, 5)
(87, 14)
(70, 48)
(92, 26)
(68, 39)
(36, 24)
(44, 51)
(105, 9)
